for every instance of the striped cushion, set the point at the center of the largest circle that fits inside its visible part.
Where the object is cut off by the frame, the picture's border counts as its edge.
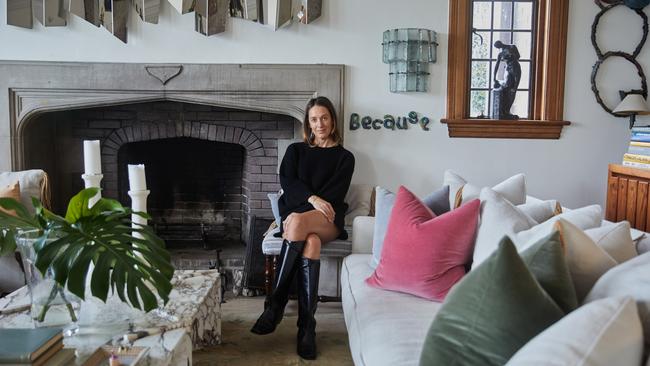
(337, 248)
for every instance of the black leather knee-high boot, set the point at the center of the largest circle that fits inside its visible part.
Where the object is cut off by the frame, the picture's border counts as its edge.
(308, 275)
(289, 257)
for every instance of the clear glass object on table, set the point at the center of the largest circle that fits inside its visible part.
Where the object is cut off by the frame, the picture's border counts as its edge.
(51, 303)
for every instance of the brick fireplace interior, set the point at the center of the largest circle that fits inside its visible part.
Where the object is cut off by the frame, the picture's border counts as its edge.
(208, 168)
(196, 188)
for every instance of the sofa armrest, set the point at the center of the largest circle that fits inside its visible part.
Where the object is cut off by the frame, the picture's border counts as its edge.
(362, 232)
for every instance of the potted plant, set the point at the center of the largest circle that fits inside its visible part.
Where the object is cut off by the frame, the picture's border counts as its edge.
(131, 261)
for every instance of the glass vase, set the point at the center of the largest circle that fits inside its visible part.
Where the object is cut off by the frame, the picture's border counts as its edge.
(52, 304)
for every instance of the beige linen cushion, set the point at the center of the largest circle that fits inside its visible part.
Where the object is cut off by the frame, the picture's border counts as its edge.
(498, 218)
(628, 279)
(616, 240)
(584, 218)
(512, 189)
(541, 211)
(603, 333)
(587, 261)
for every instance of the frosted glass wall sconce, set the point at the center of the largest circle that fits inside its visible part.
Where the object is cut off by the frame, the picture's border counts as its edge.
(408, 52)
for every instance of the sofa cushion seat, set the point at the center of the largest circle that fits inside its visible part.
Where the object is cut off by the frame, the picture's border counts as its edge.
(384, 327)
(337, 248)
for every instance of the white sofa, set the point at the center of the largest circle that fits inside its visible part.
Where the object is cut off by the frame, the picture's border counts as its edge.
(33, 183)
(385, 327)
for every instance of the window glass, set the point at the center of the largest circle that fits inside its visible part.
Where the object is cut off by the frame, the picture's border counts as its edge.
(508, 21)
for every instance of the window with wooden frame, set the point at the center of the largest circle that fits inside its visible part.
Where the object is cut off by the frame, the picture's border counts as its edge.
(538, 28)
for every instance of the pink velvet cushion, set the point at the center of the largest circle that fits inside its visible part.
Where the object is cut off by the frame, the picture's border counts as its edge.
(425, 255)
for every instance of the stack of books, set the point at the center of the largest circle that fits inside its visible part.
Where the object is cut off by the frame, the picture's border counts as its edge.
(37, 347)
(638, 154)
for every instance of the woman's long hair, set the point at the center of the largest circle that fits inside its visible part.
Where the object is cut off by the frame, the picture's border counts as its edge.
(307, 135)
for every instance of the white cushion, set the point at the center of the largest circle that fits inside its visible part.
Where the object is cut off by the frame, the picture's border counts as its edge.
(384, 327)
(272, 245)
(513, 189)
(615, 239)
(631, 278)
(30, 184)
(586, 260)
(358, 200)
(540, 211)
(499, 217)
(362, 234)
(604, 333)
(584, 218)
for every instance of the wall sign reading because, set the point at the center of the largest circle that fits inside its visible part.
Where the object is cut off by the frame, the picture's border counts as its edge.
(389, 122)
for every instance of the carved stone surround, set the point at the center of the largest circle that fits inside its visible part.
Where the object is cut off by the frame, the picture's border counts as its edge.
(32, 88)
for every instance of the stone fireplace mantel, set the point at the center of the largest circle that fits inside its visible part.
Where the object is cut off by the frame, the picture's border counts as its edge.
(33, 88)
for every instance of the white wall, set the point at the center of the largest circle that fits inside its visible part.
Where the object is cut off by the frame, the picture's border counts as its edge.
(572, 169)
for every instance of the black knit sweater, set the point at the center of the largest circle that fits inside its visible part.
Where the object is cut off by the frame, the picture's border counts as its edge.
(324, 172)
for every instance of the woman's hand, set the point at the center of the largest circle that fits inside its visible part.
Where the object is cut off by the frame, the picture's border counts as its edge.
(323, 206)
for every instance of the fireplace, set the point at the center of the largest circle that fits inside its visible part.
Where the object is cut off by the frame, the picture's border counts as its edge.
(243, 110)
(196, 188)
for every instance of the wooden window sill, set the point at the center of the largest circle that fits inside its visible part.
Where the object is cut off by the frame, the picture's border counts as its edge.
(511, 129)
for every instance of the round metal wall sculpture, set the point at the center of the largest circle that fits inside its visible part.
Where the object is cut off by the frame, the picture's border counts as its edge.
(605, 6)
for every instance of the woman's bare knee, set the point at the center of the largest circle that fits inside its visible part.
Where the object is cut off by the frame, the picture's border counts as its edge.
(312, 247)
(295, 231)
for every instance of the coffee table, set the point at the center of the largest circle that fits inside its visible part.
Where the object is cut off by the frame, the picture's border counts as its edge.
(192, 317)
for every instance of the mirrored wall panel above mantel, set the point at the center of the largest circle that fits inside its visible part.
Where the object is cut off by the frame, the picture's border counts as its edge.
(210, 16)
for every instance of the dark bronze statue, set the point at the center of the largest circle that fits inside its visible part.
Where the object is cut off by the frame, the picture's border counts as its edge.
(504, 91)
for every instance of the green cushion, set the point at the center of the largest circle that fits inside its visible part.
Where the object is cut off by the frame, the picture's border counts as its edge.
(496, 309)
(547, 262)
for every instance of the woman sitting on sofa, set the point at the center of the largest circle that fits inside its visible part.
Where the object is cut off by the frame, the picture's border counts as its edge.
(315, 176)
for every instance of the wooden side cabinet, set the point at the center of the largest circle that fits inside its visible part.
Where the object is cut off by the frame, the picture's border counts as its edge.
(628, 196)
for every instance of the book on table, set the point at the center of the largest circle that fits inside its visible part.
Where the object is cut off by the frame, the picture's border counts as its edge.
(29, 346)
(64, 357)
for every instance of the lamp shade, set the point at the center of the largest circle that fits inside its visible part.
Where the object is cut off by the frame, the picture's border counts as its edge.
(632, 104)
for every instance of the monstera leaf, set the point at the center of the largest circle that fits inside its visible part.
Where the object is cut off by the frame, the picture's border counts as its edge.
(9, 224)
(131, 261)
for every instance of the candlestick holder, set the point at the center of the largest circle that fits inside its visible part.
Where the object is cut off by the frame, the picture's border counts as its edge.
(139, 204)
(93, 181)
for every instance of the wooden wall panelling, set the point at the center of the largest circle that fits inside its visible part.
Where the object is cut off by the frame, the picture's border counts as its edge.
(641, 206)
(621, 207)
(630, 214)
(628, 196)
(612, 198)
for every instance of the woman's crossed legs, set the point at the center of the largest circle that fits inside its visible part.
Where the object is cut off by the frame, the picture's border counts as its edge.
(311, 227)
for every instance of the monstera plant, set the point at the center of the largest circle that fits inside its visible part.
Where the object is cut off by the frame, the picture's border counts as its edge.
(132, 261)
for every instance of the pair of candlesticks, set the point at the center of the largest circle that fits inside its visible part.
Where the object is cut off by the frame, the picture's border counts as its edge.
(137, 180)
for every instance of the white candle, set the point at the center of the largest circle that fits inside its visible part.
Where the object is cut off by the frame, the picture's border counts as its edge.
(137, 180)
(92, 157)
